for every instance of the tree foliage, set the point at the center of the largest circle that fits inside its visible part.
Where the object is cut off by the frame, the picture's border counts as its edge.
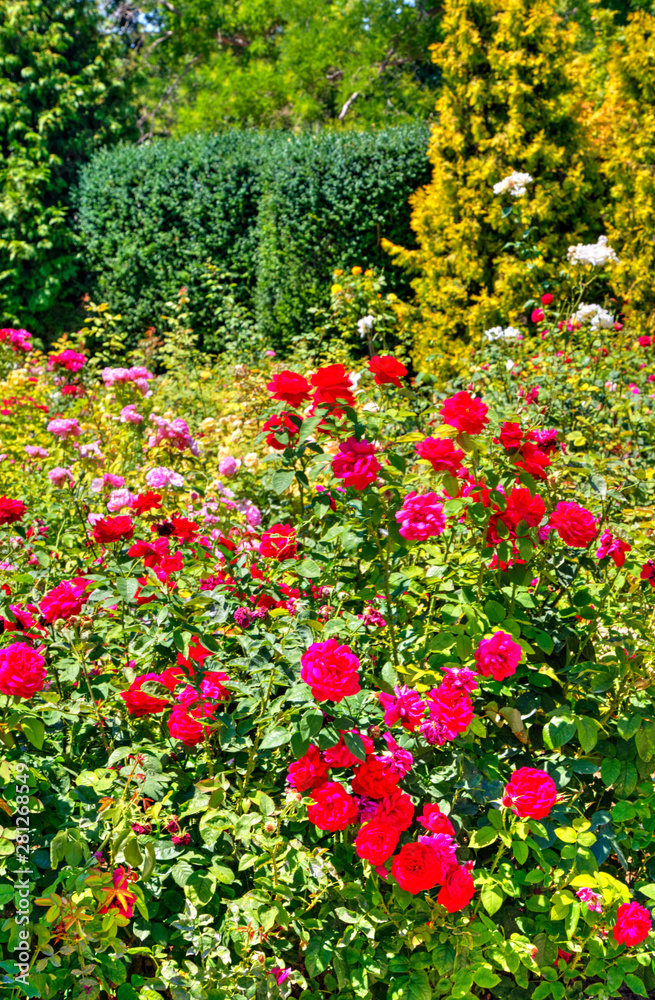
(62, 95)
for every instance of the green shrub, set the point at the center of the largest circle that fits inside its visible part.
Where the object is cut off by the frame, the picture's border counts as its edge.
(278, 211)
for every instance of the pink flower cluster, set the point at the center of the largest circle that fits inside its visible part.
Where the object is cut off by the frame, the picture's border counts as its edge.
(18, 339)
(355, 463)
(421, 517)
(64, 427)
(176, 432)
(138, 375)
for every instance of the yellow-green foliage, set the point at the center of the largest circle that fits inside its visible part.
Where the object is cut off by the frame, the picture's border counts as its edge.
(508, 104)
(629, 118)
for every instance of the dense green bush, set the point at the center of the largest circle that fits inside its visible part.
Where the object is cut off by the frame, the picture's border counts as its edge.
(278, 211)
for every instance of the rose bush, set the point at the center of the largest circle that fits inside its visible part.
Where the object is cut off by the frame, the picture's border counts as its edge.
(369, 713)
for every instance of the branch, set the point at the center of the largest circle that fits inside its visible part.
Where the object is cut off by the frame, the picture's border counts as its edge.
(150, 115)
(344, 110)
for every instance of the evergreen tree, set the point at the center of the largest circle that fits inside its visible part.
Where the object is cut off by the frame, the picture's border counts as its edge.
(62, 96)
(507, 104)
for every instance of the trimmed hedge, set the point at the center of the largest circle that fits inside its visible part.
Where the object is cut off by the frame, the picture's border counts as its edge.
(279, 211)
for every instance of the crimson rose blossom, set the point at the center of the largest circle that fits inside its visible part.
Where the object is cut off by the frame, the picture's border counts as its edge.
(11, 510)
(332, 807)
(374, 779)
(457, 891)
(465, 413)
(530, 793)
(511, 435)
(22, 670)
(279, 542)
(356, 463)
(64, 600)
(395, 810)
(139, 703)
(308, 772)
(416, 868)
(387, 370)
(613, 547)
(404, 706)
(289, 387)
(522, 506)
(442, 455)
(183, 726)
(633, 924)
(113, 529)
(421, 517)
(330, 670)
(144, 502)
(340, 756)
(281, 423)
(498, 657)
(332, 385)
(434, 820)
(575, 525)
(376, 842)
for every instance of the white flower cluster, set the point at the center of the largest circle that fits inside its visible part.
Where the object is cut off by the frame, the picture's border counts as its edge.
(497, 333)
(515, 184)
(365, 325)
(595, 315)
(595, 254)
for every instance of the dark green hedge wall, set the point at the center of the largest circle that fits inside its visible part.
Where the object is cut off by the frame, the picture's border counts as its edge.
(280, 211)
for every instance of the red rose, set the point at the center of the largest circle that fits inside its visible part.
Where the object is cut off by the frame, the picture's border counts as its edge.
(184, 529)
(211, 686)
(386, 369)
(530, 793)
(434, 820)
(465, 413)
(522, 506)
(532, 460)
(340, 756)
(64, 600)
(498, 657)
(197, 654)
(152, 553)
(546, 299)
(510, 435)
(648, 572)
(332, 807)
(289, 387)
(308, 772)
(376, 842)
(11, 510)
(416, 867)
(633, 924)
(374, 779)
(537, 315)
(332, 385)
(22, 670)
(356, 463)
(279, 542)
(145, 502)
(282, 423)
(184, 726)
(442, 455)
(396, 810)
(457, 891)
(575, 525)
(330, 670)
(113, 529)
(614, 547)
(139, 703)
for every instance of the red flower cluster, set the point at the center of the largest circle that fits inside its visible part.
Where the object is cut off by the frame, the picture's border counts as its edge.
(279, 542)
(530, 793)
(528, 449)
(575, 525)
(331, 387)
(113, 529)
(139, 703)
(287, 424)
(613, 547)
(442, 455)
(331, 670)
(387, 370)
(11, 510)
(356, 463)
(498, 657)
(65, 600)
(144, 502)
(633, 924)
(22, 670)
(451, 711)
(465, 413)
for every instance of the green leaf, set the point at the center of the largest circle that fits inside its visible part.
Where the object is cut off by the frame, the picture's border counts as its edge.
(483, 837)
(628, 725)
(485, 978)
(558, 731)
(627, 780)
(317, 956)
(636, 985)
(132, 853)
(311, 723)
(281, 480)
(645, 740)
(308, 568)
(587, 733)
(492, 898)
(544, 641)
(542, 991)
(275, 738)
(494, 611)
(127, 588)
(34, 730)
(609, 771)
(355, 744)
(521, 851)
(418, 985)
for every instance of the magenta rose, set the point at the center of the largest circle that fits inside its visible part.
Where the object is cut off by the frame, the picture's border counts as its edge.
(330, 670)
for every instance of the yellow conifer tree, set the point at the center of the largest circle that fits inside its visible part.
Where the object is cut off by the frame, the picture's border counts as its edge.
(508, 104)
